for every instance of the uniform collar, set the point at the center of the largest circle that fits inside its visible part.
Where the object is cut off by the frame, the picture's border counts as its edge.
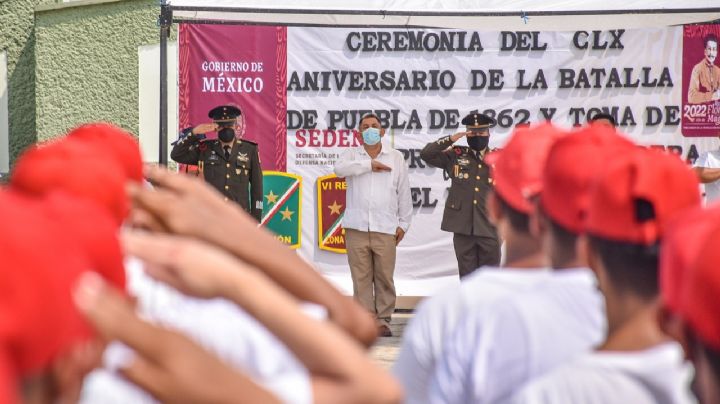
(479, 154)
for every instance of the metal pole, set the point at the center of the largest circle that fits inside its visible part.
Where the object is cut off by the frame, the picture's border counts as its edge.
(165, 22)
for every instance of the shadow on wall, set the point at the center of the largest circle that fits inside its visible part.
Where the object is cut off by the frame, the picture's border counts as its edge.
(21, 105)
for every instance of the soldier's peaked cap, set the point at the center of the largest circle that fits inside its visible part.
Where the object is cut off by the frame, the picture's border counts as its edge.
(224, 113)
(478, 119)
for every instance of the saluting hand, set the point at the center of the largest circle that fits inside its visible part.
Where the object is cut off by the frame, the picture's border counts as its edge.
(457, 136)
(190, 266)
(204, 128)
(183, 205)
(165, 363)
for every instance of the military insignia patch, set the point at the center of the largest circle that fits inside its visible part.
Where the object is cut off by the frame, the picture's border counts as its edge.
(282, 207)
(331, 209)
(238, 171)
(243, 157)
(463, 162)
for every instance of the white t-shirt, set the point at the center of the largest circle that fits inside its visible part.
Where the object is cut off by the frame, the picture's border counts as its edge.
(520, 337)
(710, 159)
(219, 326)
(436, 318)
(653, 376)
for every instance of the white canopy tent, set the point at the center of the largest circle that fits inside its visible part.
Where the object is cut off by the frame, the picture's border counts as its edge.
(519, 15)
(459, 14)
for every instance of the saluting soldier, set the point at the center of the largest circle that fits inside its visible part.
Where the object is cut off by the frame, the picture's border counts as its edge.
(475, 239)
(229, 164)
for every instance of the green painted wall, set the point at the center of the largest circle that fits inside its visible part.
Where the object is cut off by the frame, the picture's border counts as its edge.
(87, 63)
(17, 39)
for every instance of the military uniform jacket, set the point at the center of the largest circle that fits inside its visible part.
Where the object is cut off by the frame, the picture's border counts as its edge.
(239, 178)
(465, 211)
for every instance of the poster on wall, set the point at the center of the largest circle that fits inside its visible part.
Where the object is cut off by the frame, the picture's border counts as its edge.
(282, 207)
(421, 82)
(701, 80)
(330, 211)
(242, 66)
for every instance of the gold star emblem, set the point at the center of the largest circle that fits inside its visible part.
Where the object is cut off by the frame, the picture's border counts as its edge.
(271, 197)
(335, 208)
(286, 214)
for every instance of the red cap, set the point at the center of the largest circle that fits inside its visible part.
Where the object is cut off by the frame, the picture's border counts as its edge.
(517, 168)
(67, 166)
(659, 178)
(114, 142)
(699, 302)
(572, 166)
(38, 320)
(684, 236)
(93, 229)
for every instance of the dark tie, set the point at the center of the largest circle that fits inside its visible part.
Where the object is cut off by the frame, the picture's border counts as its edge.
(227, 152)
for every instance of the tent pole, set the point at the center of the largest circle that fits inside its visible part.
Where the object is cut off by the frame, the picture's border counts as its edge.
(165, 22)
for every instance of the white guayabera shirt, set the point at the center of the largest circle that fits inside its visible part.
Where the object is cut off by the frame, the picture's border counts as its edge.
(376, 201)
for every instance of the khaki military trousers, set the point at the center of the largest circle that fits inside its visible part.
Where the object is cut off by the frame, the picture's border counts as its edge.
(371, 256)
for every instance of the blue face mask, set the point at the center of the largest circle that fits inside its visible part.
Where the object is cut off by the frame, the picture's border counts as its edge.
(371, 136)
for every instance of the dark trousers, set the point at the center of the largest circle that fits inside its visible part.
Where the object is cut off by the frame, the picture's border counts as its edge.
(472, 252)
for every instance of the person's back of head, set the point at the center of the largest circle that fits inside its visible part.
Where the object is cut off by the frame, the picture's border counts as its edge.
(573, 165)
(517, 175)
(70, 166)
(112, 142)
(697, 304)
(630, 208)
(39, 324)
(602, 118)
(92, 229)
(681, 244)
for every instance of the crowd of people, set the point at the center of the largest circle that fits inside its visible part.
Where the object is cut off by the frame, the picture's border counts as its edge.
(122, 283)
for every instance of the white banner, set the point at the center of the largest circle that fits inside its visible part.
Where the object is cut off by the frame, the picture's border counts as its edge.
(424, 81)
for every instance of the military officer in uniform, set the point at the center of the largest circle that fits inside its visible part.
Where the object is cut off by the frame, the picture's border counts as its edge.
(229, 164)
(475, 239)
